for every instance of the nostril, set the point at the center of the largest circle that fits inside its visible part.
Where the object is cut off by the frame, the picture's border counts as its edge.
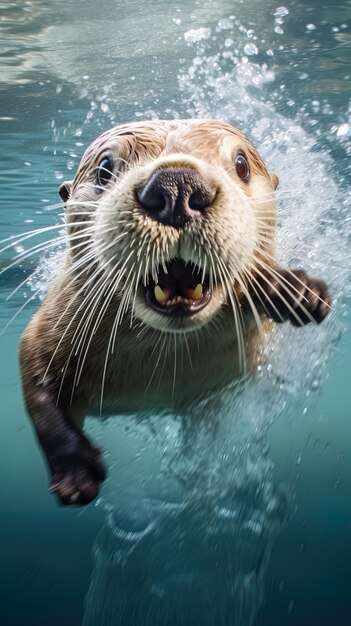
(153, 198)
(201, 198)
(176, 196)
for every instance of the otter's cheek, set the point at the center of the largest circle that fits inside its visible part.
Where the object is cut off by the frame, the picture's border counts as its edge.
(231, 234)
(113, 232)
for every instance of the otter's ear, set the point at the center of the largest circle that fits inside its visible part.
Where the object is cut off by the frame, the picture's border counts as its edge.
(65, 189)
(274, 180)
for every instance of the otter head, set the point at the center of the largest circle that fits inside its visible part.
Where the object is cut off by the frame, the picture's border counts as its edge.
(170, 218)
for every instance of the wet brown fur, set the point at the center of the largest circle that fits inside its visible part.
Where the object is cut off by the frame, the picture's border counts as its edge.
(150, 367)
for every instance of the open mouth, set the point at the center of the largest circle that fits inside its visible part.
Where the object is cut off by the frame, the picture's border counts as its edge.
(181, 290)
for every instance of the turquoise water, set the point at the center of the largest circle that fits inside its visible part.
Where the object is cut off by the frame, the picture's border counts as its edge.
(282, 74)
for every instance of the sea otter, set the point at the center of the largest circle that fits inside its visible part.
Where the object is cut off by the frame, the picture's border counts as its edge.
(169, 287)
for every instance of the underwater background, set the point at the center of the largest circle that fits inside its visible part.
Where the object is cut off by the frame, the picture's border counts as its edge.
(282, 75)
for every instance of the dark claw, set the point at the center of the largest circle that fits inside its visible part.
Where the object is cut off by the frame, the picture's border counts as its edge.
(76, 472)
(292, 295)
(74, 487)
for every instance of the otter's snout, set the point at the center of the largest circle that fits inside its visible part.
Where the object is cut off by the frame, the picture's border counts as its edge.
(176, 196)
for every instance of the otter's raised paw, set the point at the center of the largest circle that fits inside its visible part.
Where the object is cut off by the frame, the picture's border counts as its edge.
(293, 295)
(76, 477)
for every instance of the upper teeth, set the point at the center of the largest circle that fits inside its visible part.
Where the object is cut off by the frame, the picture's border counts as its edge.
(163, 296)
(195, 294)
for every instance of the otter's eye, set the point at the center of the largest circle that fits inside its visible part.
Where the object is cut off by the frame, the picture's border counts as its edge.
(104, 171)
(242, 167)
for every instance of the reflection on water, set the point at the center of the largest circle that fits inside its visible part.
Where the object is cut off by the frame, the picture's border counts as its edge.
(189, 525)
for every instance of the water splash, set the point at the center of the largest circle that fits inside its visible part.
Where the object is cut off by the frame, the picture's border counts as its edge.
(189, 530)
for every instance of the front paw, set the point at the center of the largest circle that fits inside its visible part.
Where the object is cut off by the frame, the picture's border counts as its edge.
(77, 471)
(293, 295)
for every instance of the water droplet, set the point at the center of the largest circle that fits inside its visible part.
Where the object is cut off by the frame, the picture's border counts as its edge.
(197, 34)
(225, 24)
(342, 130)
(281, 12)
(250, 49)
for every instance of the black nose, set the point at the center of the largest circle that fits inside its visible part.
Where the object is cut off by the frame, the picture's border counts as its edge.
(176, 196)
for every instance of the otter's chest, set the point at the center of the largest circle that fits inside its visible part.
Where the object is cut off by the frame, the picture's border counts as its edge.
(173, 372)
